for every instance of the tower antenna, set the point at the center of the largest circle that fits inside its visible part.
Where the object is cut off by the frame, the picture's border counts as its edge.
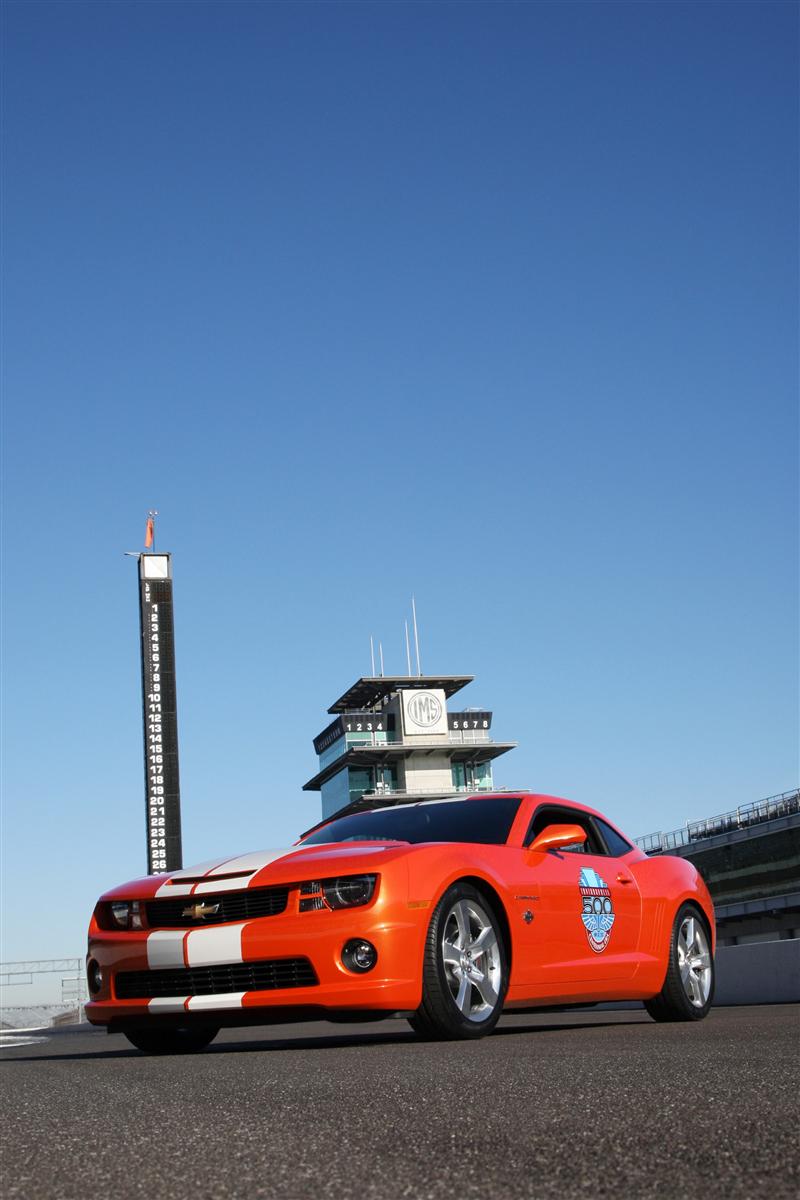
(380, 653)
(372, 654)
(416, 633)
(408, 651)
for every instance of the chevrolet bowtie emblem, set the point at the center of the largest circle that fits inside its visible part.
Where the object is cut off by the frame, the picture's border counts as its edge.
(199, 911)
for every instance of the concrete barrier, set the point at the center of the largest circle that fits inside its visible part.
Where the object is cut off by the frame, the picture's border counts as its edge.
(758, 973)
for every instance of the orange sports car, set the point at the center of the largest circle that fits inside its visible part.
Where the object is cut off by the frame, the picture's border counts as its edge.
(447, 912)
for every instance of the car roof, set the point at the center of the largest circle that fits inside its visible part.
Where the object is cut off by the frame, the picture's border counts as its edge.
(514, 794)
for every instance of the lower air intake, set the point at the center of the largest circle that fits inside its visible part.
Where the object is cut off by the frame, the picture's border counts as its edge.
(264, 976)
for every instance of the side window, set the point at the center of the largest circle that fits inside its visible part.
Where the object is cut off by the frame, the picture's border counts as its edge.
(577, 848)
(617, 846)
(545, 817)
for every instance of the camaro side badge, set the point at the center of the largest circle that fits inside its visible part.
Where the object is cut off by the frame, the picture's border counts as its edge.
(598, 911)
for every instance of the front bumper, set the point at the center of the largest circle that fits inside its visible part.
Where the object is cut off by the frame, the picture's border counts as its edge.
(394, 984)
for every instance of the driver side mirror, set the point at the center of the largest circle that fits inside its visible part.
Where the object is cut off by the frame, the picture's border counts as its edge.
(556, 837)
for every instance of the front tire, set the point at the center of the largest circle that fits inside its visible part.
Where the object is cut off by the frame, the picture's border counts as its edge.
(465, 971)
(171, 1041)
(688, 989)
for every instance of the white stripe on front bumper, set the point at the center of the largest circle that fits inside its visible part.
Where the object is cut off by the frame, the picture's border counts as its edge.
(228, 1000)
(212, 947)
(165, 948)
(168, 1004)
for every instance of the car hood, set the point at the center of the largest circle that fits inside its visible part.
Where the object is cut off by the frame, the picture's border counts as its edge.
(264, 868)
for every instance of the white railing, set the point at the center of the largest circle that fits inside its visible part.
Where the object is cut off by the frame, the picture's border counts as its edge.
(15, 975)
(468, 737)
(738, 818)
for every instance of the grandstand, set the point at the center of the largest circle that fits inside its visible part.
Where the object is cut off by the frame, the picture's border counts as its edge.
(750, 859)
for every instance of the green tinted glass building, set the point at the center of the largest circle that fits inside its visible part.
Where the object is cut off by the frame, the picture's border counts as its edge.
(396, 738)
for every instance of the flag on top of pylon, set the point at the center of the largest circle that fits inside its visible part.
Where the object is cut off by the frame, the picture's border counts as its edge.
(148, 534)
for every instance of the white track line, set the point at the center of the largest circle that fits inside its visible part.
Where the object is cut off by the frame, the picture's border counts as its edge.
(6, 1043)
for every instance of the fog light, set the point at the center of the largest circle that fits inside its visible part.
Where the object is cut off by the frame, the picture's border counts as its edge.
(94, 976)
(359, 956)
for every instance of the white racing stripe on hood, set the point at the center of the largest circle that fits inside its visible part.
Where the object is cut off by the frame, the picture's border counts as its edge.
(245, 865)
(175, 889)
(222, 885)
(175, 885)
(344, 850)
(251, 863)
(203, 868)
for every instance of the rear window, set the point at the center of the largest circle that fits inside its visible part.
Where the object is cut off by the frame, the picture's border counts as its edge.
(485, 821)
(617, 846)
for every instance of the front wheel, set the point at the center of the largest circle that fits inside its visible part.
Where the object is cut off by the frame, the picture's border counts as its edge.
(689, 985)
(171, 1041)
(465, 973)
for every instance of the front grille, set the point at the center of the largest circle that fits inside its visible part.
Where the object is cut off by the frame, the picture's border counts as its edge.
(233, 906)
(216, 981)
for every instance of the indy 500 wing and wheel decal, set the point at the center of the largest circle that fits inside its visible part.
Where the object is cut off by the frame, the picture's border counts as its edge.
(448, 912)
(597, 908)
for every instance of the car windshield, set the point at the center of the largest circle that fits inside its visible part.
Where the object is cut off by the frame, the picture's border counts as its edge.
(485, 821)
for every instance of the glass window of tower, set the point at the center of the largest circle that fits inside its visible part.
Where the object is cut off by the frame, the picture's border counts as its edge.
(480, 775)
(361, 781)
(332, 752)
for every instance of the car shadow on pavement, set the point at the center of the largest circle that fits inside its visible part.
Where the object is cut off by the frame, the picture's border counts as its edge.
(333, 1041)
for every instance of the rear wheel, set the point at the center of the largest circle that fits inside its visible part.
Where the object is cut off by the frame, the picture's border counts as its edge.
(171, 1041)
(689, 985)
(465, 973)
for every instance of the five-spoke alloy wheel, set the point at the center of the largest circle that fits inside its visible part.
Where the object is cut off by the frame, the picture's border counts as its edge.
(689, 985)
(694, 961)
(465, 972)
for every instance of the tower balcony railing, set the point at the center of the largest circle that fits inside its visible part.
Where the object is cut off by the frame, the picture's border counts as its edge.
(456, 737)
(378, 739)
(386, 792)
(468, 737)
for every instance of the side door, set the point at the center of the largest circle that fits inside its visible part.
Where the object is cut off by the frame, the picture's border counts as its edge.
(586, 916)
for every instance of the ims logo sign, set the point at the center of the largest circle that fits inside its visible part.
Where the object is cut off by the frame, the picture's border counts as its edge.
(425, 709)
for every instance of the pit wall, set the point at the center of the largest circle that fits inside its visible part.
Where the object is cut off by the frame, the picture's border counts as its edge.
(759, 973)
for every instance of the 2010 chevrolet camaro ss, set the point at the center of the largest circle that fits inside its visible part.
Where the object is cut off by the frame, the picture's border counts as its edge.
(448, 912)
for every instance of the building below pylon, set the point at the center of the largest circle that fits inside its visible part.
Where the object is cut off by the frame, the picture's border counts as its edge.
(395, 739)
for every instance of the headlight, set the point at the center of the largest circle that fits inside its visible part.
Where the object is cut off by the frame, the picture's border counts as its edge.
(347, 891)
(125, 914)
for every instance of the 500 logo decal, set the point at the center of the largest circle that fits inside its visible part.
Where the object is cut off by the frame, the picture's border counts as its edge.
(597, 909)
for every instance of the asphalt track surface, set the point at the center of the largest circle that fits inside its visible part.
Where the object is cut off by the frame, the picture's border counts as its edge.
(570, 1105)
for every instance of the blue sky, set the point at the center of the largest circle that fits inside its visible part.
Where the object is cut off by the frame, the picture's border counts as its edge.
(494, 303)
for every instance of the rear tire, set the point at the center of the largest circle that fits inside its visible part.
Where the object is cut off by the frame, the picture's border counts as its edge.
(171, 1041)
(465, 971)
(688, 989)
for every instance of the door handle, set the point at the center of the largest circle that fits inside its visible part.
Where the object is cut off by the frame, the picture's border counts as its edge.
(624, 879)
